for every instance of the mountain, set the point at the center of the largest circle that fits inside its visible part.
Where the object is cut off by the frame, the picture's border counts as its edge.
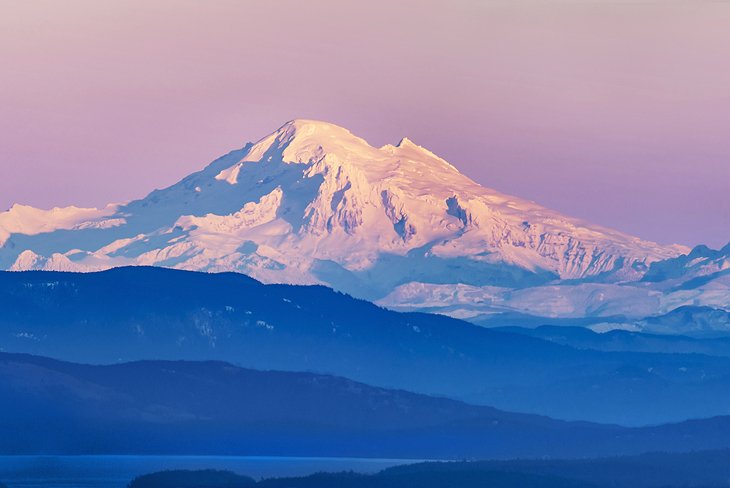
(701, 267)
(692, 321)
(136, 313)
(180, 407)
(312, 203)
(657, 307)
(624, 340)
(183, 407)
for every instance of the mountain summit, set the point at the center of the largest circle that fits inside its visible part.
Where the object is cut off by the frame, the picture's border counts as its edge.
(313, 203)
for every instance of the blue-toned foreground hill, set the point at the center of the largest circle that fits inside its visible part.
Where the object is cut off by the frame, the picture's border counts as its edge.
(623, 340)
(127, 314)
(184, 407)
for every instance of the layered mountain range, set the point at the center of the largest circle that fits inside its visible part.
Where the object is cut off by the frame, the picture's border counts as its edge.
(313, 204)
(183, 407)
(141, 313)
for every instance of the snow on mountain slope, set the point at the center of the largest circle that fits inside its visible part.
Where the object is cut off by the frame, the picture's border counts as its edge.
(23, 219)
(572, 300)
(312, 203)
(700, 267)
(633, 300)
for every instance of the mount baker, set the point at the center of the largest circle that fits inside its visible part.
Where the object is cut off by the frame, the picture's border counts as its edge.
(313, 203)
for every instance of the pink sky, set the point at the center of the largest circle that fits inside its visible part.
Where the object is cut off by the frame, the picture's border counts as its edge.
(613, 111)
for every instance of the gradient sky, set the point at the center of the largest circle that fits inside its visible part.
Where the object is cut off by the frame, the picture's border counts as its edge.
(617, 112)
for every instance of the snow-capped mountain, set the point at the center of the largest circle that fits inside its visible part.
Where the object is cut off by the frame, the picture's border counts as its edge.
(701, 267)
(313, 203)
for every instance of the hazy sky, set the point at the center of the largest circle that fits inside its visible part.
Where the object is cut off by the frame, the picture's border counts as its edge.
(613, 111)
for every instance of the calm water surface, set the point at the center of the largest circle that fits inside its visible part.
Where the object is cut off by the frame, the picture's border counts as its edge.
(118, 471)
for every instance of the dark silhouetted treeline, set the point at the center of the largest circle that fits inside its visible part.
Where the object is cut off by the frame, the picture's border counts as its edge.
(425, 479)
(657, 470)
(193, 479)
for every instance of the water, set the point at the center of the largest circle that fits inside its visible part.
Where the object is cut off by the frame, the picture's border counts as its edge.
(118, 471)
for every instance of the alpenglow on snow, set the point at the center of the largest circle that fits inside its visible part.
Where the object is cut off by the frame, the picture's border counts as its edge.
(313, 203)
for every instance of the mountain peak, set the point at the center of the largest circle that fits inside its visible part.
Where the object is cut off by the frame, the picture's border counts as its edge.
(310, 125)
(310, 130)
(305, 140)
(405, 142)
